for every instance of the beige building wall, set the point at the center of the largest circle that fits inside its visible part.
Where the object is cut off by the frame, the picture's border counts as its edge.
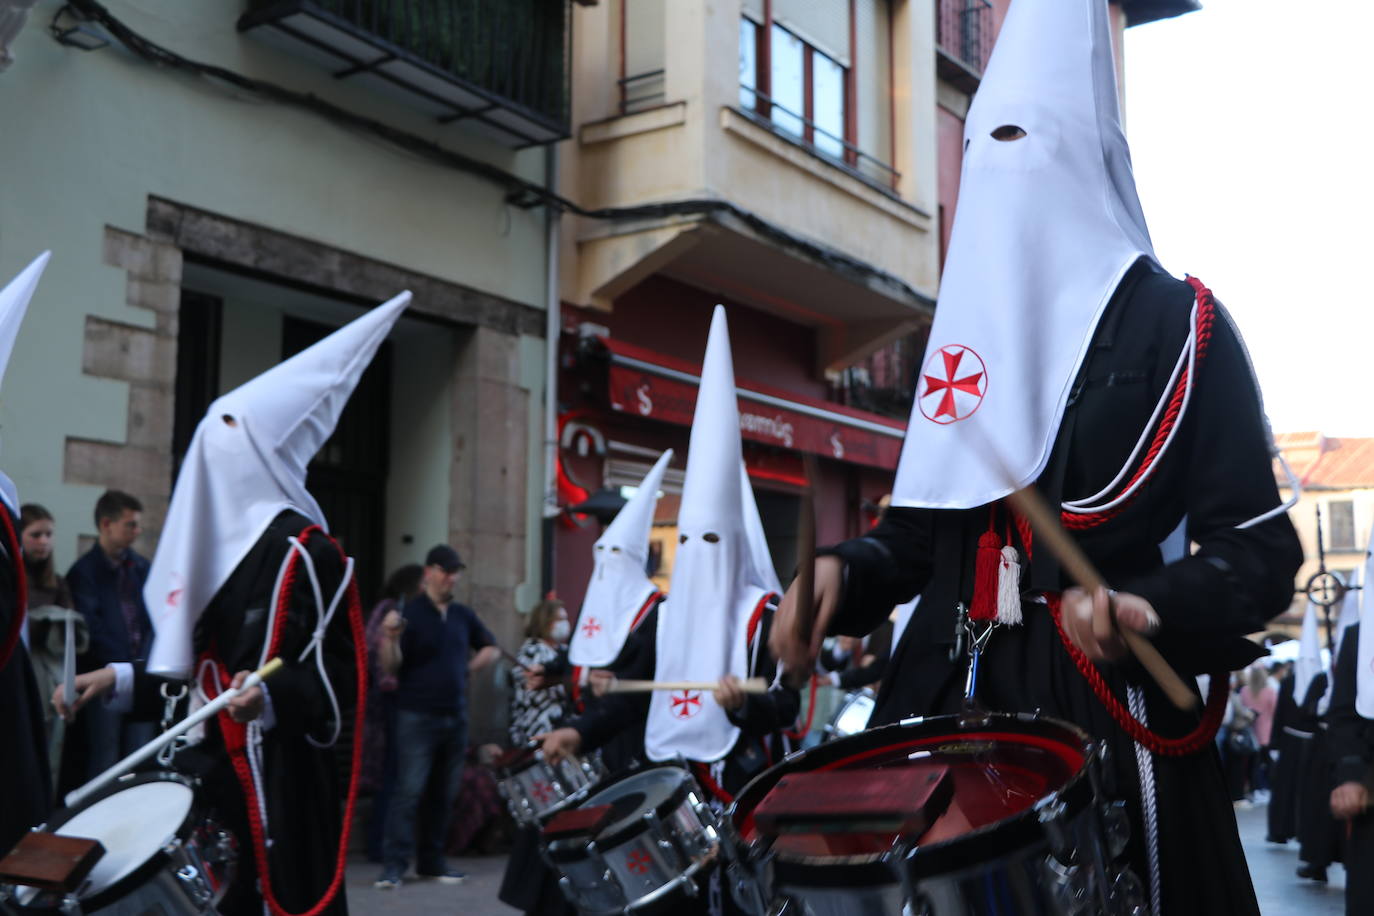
(1304, 516)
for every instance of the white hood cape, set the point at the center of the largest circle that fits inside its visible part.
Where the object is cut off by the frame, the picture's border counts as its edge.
(1046, 227)
(14, 302)
(1309, 662)
(245, 465)
(620, 587)
(716, 585)
(1364, 682)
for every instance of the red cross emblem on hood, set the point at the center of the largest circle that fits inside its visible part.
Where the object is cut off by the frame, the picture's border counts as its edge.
(953, 384)
(686, 703)
(591, 627)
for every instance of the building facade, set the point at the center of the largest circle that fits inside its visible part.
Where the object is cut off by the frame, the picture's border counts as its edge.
(221, 183)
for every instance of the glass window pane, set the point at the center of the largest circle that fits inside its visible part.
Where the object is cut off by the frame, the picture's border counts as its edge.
(748, 63)
(827, 86)
(788, 90)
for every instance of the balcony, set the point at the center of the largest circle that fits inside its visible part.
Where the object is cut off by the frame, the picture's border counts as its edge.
(499, 66)
(963, 39)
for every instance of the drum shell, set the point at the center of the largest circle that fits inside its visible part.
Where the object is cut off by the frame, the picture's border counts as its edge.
(535, 789)
(175, 880)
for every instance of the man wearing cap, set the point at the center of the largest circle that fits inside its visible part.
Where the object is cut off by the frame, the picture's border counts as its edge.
(429, 647)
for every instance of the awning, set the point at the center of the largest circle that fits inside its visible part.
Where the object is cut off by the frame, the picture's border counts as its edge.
(660, 387)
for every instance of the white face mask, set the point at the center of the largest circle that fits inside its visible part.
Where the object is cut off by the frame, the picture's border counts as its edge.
(560, 631)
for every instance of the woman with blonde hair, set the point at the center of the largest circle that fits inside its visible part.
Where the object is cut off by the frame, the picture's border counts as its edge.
(540, 699)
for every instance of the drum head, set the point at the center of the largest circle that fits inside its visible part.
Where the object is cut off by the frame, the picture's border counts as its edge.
(132, 823)
(631, 796)
(1000, 769)
(853, 716)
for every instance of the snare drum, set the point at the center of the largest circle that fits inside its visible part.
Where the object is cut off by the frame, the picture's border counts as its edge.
(650, 853)
(535, 789)
(1020, 828)
(162, 854)
(851, 717)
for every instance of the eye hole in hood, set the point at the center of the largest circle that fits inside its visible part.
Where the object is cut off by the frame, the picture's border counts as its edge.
(1008, 133)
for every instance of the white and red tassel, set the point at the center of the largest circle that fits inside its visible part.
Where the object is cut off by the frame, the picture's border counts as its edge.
(1009, 587)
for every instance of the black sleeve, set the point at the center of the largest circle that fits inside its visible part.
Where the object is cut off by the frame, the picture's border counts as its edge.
(868, 674)
(616, 712)
(1238, 578)
(102, 647)
(765, 713)
(560, 666)
(1352, 753)
(886, 567)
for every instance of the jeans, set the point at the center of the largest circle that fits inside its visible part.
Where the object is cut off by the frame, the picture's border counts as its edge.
(426, 744)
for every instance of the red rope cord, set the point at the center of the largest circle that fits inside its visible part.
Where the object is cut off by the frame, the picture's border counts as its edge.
(238, 746)
(21, 582)
(1190, 743)
(1206, 317)
(703, 773)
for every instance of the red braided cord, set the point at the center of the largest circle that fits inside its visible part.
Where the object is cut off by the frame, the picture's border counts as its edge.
(1206, 317)
(239, 758)
(1190, 743)
(704, 774)
(21, 581)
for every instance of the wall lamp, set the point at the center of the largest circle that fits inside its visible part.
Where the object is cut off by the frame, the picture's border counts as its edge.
(74, 30)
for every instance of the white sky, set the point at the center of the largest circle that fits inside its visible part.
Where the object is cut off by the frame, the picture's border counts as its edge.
(1252, 134)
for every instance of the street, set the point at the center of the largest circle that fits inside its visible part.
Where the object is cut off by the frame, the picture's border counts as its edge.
(1280, 892)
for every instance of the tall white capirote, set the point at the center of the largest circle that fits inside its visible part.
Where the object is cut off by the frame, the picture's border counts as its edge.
(1048, 223)
(759, 554)
(1364, 682)
(245, 465)
(620, 586)
(1309, 662)
(14, 303)
(716, 586)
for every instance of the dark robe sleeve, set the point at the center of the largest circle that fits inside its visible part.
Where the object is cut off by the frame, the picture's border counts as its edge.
(765, 713)
(613, 713)
(1351, 736)
(886, 567)
(1238, 578)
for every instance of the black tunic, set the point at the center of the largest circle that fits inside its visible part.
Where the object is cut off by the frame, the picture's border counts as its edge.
(1352, 755)
(1215, 475)
(26, 791)
(304, 785)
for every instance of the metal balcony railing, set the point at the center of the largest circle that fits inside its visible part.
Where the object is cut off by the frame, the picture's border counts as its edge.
(787, 123)
(502, 63)
(963, 30)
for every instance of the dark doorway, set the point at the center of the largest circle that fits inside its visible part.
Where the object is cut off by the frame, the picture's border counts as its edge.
(348, 476)
(779, 511)
(197, 380)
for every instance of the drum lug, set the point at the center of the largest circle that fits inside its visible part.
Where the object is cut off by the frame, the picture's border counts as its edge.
(1052, 821)
(195, 884)
(1116, 828)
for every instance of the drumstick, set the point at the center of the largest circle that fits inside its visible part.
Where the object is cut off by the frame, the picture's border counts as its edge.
(805, 583)
(1031, 504)
(748, 685)
(69, 664)
(76, 796)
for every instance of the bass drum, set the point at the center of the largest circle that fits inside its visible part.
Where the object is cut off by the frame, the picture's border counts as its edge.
(162, 854)
(852, 715)
(1020, 827)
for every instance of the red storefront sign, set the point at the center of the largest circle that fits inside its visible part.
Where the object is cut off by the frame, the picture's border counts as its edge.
(658, 387)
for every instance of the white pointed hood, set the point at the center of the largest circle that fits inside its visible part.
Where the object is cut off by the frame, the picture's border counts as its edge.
(620, 587)
(14, 302)
(1364, 682)
(1309, 663)
(759, 554)
(716, 586)
(1046, 227)
(245, 465)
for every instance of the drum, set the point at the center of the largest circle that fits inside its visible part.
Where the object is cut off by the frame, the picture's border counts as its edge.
(534, 789)
(162, 854)
(1012, 822)
(851, 716)
(646, 848)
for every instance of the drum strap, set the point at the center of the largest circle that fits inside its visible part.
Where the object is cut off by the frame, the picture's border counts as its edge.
(236, 736)
(1199, 738)
(21, 583)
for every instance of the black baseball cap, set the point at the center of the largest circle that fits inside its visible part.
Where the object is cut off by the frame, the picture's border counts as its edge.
(444, 557)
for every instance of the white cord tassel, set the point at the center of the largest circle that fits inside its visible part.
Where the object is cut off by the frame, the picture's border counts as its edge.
(1009, 587)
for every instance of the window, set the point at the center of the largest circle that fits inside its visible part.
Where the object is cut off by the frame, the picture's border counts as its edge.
(1340, 525)
(748, 64)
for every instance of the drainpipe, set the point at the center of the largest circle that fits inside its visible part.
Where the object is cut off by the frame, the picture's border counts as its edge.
(552, 328)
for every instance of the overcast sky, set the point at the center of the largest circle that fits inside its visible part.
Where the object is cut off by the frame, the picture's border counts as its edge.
(1252, 133)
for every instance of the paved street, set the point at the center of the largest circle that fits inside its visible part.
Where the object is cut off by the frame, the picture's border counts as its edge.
(1281, 893)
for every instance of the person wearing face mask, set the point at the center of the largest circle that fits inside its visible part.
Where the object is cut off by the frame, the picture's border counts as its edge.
(539, 701)
(1064, 358)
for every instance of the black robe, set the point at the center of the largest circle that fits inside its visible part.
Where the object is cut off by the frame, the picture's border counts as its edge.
(1216, 475)
(1285, 743)
(305, 786)
(1352, 756)
(26, 792)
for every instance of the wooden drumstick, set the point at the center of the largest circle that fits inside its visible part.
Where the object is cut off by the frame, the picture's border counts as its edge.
(748, 685)
(1049, 532)
(805, 583)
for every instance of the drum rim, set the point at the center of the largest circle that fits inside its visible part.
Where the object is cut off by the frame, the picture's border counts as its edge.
(155, 862)
(988, 842)
(611, 839)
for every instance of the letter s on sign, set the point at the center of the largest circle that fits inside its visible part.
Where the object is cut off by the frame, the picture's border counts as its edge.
(646, 406)
(836, 446)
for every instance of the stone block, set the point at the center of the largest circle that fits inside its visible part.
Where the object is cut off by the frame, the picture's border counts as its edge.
(142, 257)
(151, 416)
(159, 296)
(496, 559)
(122, 351)
(144, 472)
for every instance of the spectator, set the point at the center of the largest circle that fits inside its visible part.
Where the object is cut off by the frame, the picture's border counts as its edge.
(379, 752)
(429, 646)
(107, 588)
(49, 609)
(540, 699)
(1261, 698)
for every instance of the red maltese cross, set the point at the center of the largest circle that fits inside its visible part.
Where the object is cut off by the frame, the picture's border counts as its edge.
(955, 382)
(686, 703)
(543, 792)
(591, 627)
(638, 862)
